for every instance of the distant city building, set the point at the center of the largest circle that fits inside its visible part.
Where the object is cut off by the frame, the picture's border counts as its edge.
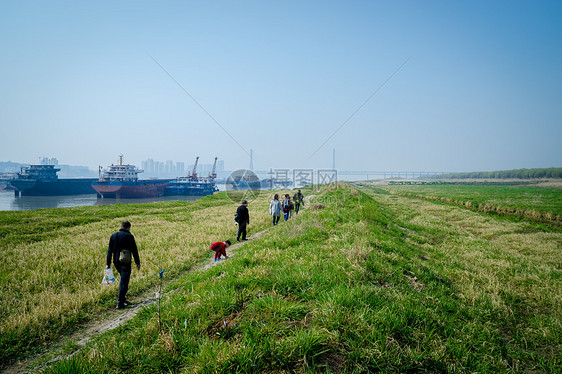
(171, 169)
(180, 168)
(159, 168)
(148, 166)
(49, 161)
(204, 170)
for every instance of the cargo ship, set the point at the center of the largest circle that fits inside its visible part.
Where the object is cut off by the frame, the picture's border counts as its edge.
(42, 180)
(275, 183)
(186, 186)
(122, 182)
(243, 179)
(192, 185)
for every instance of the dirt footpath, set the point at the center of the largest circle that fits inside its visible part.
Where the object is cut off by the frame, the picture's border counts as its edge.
(114, 318)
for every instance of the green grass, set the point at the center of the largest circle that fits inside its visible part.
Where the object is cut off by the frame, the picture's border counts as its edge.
(528, 201)
(359, 282)
(38, 225)
(51, 261)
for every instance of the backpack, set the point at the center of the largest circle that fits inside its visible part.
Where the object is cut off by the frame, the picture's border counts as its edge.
(124, 254)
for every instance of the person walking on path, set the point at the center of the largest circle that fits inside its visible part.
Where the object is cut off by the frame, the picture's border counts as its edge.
(220, 249)
(243, 219)
(298, 199)
(287, 206)
(123, 248)
(275, 209)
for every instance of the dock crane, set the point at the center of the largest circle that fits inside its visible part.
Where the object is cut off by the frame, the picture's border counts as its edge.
(194, 172)
(213, 174)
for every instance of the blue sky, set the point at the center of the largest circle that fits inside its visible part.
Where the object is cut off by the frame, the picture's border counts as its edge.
(481, 88)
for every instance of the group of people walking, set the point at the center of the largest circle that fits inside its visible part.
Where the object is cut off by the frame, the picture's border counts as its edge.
(122, 249)
(242, 218)
(286, 206)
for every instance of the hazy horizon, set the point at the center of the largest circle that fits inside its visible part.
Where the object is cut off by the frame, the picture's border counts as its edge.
(208, 166)
(392, 86)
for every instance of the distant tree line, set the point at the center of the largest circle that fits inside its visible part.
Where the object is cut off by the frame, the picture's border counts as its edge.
(506, 174)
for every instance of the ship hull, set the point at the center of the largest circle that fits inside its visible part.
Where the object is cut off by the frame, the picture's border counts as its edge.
(126, 190)
(191, 189)
(59, 187)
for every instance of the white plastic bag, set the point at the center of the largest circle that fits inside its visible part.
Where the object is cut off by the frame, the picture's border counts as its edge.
(108, 276)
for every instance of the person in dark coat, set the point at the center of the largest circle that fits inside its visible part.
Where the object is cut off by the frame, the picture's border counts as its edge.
(298, 198)
(122, 248)
(243, 219)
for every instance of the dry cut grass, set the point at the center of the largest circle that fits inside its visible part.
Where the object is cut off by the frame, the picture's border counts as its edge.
(53, 282)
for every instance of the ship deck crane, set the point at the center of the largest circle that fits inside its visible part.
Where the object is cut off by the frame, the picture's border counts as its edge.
(214, 172)
(194, 172)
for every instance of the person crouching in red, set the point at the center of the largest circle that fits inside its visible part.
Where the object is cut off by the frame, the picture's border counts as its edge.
(220, 249)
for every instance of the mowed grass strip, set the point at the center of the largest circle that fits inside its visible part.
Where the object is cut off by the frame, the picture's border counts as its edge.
(508, 268)
(356, 283)
(527, 201)
(51, 279)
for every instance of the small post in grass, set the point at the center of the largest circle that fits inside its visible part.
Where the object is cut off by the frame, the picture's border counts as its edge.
(159, 299)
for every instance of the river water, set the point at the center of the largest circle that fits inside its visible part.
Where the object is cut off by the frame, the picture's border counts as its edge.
(9, 202)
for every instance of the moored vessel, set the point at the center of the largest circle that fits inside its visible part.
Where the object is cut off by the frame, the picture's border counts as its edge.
(188, 187)
(243, 179)
(42, 180)
(121, 181)
(192, 184)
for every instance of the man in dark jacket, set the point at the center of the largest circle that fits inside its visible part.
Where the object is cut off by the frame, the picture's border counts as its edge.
(298, 198)
(119, 243)
(243, 219)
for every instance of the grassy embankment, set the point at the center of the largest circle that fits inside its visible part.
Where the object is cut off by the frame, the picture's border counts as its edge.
(51, 260)
(527, 201)
(360, 282)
